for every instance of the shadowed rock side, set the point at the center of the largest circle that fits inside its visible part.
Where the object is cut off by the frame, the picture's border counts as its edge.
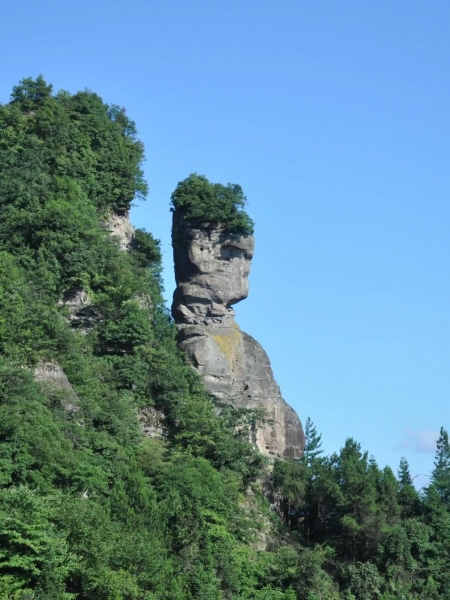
(211, 271)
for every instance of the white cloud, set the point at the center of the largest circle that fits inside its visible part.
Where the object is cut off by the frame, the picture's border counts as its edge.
(423, 441)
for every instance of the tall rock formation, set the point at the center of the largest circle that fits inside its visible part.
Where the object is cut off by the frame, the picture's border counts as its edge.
(211, 271)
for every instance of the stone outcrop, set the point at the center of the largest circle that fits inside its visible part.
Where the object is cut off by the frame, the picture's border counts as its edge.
(120, 226)
(152, 422)
(211, 271)
(83, 315)
(52, 375)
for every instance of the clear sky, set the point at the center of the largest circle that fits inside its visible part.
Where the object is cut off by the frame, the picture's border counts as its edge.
(334, 118)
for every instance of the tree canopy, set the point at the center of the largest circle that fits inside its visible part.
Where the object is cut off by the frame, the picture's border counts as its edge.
(205, 204)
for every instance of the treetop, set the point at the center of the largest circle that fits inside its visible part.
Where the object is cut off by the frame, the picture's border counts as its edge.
(206, 204)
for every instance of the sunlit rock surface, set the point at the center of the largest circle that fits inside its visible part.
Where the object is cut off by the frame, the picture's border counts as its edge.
(120, 226)
(211, 271)
(52, 375)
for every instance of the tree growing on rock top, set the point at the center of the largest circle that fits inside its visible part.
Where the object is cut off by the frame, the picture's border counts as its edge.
(205, 204)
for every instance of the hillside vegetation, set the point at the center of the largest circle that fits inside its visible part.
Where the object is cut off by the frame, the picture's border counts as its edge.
(90, 509)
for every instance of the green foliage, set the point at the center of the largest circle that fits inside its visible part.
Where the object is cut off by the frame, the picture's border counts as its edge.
(362, 580)
(62, 159)
(408, 496)
(30, 327)
(30, 94)
(313, 443)
(90, 509)
(440, 477)
(146, 250)
(34, 555)
(47, 137)
(387, 540)
(205, 204)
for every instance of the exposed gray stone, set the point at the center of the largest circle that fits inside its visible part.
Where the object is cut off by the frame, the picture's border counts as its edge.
(52, 375)
(82, 314)
(211, 270)
(119, 225)
(152, 422)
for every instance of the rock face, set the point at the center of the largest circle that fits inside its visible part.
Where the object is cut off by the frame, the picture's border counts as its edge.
(211, 271)
(152, 422)
(83, 316)
(119, 225)
(52, 375)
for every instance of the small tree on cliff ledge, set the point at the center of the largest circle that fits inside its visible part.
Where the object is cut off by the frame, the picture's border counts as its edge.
(206, 204)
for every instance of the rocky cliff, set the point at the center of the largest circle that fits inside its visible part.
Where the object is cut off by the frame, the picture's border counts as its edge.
(211, 271)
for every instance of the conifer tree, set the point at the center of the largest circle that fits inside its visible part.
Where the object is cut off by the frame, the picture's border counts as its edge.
(408, 496)
(31, 93)
(404, 476)
(437, 517)
(440, 477)
(313, 443)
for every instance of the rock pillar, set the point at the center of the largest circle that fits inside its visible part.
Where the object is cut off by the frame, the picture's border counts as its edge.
(211, 271)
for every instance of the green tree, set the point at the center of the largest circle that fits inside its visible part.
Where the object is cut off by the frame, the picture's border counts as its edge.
(291, 481)
(362, 580)
(437, 517)
(440, 477)
(388, 497)
(30, 93)
(34, 555)
(313, 443)
(408, 496)
(361, 525)
(204, 204)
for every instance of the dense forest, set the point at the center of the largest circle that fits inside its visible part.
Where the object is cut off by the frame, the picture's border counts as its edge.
(92, 509)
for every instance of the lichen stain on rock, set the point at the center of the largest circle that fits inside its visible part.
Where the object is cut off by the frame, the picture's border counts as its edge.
(228, 343)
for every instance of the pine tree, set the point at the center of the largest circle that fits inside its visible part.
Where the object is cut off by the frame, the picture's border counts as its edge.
(408, 496)
(313, 443)
(437, 516)
(404, 476)
(31, 93)
(440, 478)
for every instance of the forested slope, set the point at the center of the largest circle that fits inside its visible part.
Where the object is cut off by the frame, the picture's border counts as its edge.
(89, 507)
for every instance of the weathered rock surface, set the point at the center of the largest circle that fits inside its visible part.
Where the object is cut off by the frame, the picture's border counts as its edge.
(82, 314)
(52, 375)
(120, 226)
(152, 422)
(211, 271)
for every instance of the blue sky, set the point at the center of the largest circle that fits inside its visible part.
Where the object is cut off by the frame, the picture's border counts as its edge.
(334, 118)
